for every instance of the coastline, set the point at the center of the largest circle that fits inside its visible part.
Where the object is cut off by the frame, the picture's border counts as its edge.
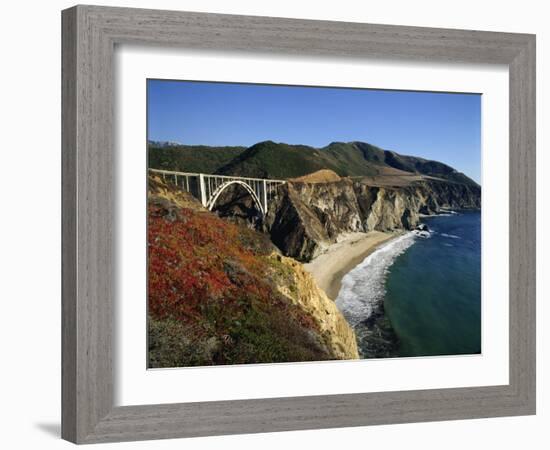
(329, 268)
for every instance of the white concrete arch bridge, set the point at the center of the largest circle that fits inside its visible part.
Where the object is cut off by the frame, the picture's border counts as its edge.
(208, 188)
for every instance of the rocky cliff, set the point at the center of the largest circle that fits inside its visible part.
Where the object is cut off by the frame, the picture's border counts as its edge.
(304, 218)
(220, 293)
(337, 334)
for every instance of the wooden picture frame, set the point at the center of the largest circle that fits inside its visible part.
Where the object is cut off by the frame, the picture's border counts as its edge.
(90, 34)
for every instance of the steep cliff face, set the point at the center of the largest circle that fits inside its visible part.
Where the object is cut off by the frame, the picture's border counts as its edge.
(306, 217)
(337, 334)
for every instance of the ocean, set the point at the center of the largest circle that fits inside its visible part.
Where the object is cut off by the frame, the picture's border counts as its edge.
(419, 296)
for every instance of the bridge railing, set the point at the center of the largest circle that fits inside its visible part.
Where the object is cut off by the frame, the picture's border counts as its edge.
(196, 174)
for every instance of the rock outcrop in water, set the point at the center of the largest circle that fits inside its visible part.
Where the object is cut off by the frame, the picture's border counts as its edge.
(307, 217)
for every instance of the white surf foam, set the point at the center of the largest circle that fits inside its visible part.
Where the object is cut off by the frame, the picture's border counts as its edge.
(363, 287)
(448, 212)
(452, 236)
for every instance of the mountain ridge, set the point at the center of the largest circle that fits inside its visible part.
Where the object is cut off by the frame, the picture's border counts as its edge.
(269, 159)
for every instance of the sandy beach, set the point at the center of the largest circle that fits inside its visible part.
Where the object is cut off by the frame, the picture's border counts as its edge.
(329, 268)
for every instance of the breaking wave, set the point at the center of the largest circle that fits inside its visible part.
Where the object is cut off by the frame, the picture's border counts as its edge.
(452, 236)
(363, 287)
(447, 213)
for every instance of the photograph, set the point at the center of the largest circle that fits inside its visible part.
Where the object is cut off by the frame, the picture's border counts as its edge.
(290, 224)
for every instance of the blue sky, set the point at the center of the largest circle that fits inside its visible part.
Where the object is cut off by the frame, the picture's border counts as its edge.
(443, 127)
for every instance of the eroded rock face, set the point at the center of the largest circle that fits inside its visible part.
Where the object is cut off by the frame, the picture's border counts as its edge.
(337, 335)
(305, 218)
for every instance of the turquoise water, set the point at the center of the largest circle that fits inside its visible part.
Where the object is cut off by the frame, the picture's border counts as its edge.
(419, 296)
(433, 289)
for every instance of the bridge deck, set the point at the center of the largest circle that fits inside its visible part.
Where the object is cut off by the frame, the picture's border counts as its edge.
(232, 177)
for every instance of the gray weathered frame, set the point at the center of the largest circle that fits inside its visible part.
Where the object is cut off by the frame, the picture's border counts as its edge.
(89, 36)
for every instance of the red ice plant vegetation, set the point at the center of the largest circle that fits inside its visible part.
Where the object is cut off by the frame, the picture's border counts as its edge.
(212, 296)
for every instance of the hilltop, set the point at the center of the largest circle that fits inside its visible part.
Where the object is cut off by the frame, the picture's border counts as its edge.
(321, 176)
(269, 159)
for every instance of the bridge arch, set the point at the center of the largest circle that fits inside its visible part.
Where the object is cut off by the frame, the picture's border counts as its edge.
(222, 187)
(207, 187)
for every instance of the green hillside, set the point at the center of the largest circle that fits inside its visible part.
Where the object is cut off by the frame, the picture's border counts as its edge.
(279, 160)
(190, 158)
(272, 160)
